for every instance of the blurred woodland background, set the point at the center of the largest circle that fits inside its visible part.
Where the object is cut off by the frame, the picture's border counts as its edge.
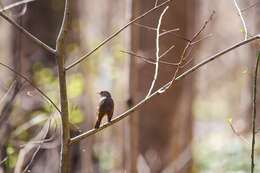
(185, 130)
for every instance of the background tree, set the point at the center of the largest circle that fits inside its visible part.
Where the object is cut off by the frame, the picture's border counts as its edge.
(170, 152)
(162, 138)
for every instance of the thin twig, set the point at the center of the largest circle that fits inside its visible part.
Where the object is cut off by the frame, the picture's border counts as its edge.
(156, 3)
(157, 51)
(160, 91)
(34, 86)
(236, 133)
(29, 146)
(203, 38)
(258, 130)
(152, 60)
(32, 158)
(40, 142)
(149, 60)
(22, 12)
(20, 28)
(254, 116)
(250, 6)
(185, 52)
(241, 17)
(153, 28)
(37, 150)
(169, 31)
(115, 34)
(204, 26)
(16, 4)
(186, 63)
(167, 51)
(28, 34)
(163, 30)
(10, 96)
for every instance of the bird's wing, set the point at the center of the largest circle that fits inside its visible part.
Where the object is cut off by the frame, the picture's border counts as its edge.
(100, 105)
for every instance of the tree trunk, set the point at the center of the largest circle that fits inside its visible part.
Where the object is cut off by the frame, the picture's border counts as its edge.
(165, 125)
(131, 124)
(43, 19)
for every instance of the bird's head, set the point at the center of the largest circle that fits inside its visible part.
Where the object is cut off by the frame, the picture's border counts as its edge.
(104, 94)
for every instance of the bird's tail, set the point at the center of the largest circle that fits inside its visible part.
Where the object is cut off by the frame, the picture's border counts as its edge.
(98, 123)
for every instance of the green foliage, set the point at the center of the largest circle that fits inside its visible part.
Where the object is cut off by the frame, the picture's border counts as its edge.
(42, 75)
(46, 80)
(75, 85)
(11, 162)
(10, 150)
(76, 116)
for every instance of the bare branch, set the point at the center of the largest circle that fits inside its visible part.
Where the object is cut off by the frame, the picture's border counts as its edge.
(30, 146)
(156, 3)
(167, 51)
(241, 17)
(115, 34)
(34, 86)
(24, 2)
(257, 131)
(149, 27)
(187, 62)
(28, 34)
(37, 149)
(22, 12)
(9, 101)
(149, 60)
(20, 28)
(236, 133)
(207, 36)
(250, 6)
(186, 50)
(32, 158)
(204, 26)
(154, 29)
(157, 51)
(169, 31)
(161, 90)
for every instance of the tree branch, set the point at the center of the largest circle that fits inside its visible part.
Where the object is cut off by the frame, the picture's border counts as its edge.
(254, 116)
(15, 5)
(160, 91)
(157, 52)
(185, 51)
(21, 29)
(115, 34)
(150, 60)
(34, 86)
(241, 17)
(60, 47)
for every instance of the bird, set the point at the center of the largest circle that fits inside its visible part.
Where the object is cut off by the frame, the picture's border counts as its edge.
(105, 107)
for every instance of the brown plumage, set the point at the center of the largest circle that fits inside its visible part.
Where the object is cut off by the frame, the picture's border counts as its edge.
(105, 107)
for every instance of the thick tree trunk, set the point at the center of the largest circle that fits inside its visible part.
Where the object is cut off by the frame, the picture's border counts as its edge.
(165, 125)
(131, 124)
